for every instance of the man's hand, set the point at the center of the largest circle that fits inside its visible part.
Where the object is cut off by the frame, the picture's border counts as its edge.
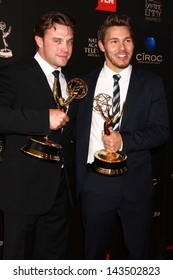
(112, 142)
(57, 119)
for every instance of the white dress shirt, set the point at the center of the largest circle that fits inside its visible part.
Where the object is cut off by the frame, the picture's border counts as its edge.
(105, 85)
(48, 69)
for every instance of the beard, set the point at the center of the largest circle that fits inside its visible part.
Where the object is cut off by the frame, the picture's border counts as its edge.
(116, 63)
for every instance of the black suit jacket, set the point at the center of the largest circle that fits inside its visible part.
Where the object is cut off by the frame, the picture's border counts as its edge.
(27, 184)
(145, 125)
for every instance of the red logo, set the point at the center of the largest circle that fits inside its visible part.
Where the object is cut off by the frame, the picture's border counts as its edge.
(107, 5)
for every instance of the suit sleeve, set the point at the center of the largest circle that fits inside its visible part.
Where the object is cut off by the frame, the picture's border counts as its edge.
(151, 122)
(16, 115)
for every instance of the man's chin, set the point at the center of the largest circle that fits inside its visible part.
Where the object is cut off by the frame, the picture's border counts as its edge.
(123, 65)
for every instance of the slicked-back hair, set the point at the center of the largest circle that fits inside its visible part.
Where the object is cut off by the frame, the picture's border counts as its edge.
(46, 21)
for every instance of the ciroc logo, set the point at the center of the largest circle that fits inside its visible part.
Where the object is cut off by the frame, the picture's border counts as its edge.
(150, 44)
(148, 56)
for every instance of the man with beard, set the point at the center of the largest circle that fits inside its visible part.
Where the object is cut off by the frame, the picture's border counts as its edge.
(143, 125)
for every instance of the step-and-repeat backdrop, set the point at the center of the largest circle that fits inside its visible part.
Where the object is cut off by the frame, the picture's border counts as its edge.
(153, 50)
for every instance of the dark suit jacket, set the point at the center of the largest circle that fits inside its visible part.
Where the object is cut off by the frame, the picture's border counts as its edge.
(27, 184)
(145, 125)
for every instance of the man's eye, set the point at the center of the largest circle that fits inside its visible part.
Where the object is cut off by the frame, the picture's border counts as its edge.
(57, 41)
(114, 41)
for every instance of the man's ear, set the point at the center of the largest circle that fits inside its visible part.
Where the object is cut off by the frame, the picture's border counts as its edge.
(101, 46)
(39, 41)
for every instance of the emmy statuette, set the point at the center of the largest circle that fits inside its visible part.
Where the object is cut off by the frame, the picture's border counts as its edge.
(43, 147)
(106, 163)
(5, 52)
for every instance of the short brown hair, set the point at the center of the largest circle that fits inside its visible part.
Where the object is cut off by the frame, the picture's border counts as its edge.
(114, 20)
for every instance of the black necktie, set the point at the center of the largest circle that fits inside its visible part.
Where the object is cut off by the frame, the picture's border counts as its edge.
(56, 85)
(116, 95)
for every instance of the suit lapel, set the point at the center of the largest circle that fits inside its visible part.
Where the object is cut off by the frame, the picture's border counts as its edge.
(133, 91)
(40, 84)
(88, 102)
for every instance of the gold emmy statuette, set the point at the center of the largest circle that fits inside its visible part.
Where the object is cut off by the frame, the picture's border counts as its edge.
(104, 162)
(41, 146)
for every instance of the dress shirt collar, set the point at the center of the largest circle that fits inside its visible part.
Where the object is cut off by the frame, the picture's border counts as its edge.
(45, 66)
(125, 73)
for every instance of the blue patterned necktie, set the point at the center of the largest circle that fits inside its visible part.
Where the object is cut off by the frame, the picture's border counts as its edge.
(116, 95)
